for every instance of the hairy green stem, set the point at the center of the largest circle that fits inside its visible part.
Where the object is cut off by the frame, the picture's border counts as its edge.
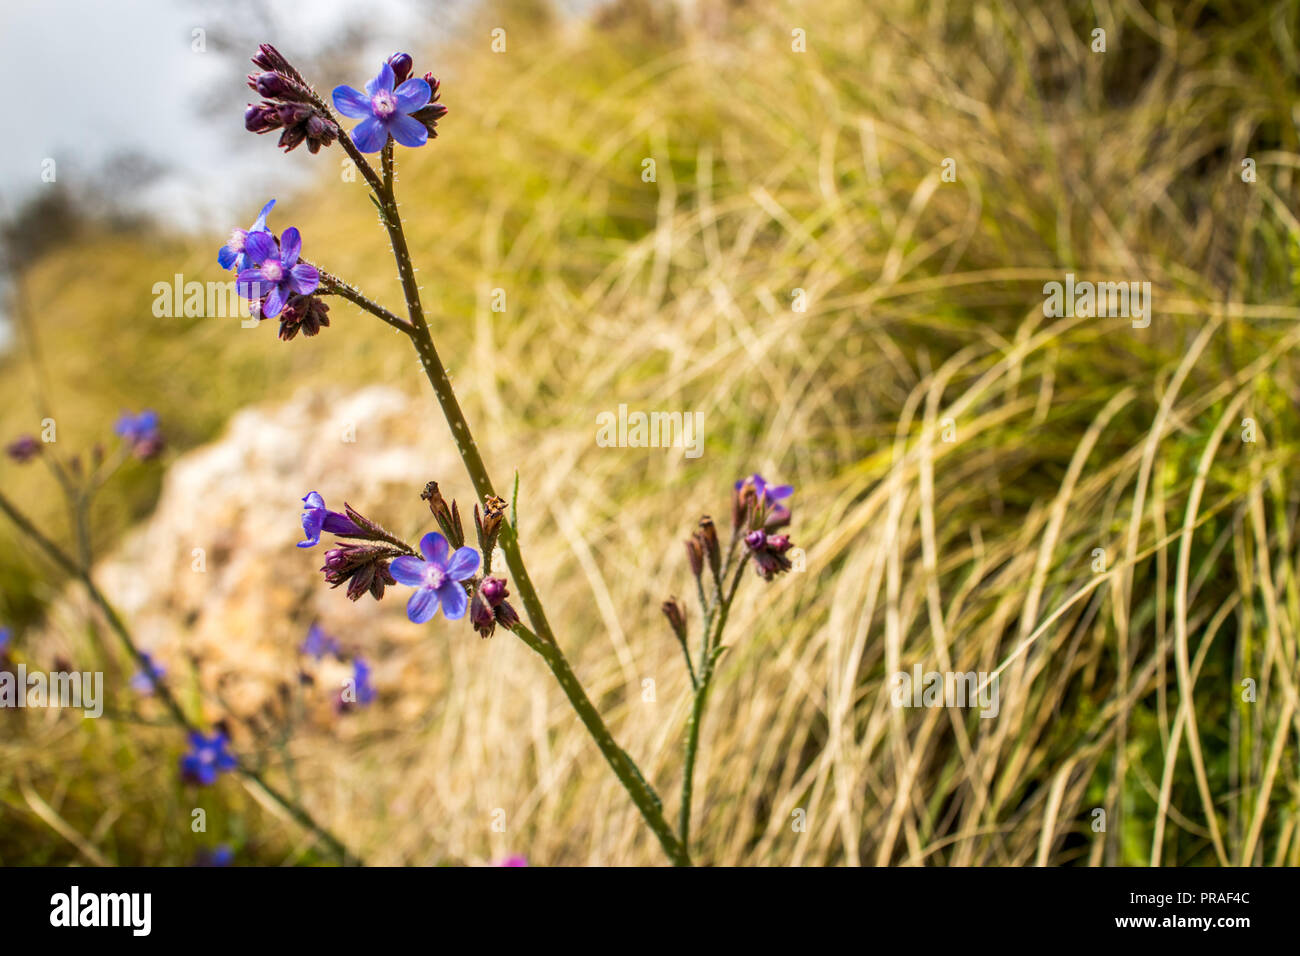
(541, 639)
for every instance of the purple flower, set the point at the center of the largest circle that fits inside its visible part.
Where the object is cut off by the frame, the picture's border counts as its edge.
(384, 111)
(145, 681)
(220, 855)
(768, 497)
(515, 860)
(317, 518)
(6, 637)
(207, 758)
(279, 274)
(436, 579)
(362, 688)
(140, 432)
(318, 643)
(23, 449)
(233, 253)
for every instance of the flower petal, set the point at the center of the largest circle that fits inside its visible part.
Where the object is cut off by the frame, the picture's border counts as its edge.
(384, 81)
(423, 605)
(453, 600)
(226, 257)
(351, 103)
(370, 135)
(408, 570)
(412, 95)
(303, 279)
(274, 304)
(312, 519)
(435, 547)
(313, 500)
(462, 564)
(260, 225)
(258, 247)
(780, 491)
(290, 247)
(336, 523)
(408, 131)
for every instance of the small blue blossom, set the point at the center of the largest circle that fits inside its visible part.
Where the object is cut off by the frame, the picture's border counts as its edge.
(278, 274)
(141, 432)
(146, 680)
(365, 691)
(219, 855)
(207, 758)
(384, 111)
(436, 579)
(233, 253)
(6, 638)
(317, 518)
(318, 643)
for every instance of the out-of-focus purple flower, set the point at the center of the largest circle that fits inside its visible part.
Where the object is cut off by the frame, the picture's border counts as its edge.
(141, 432)
(219, 855)
(23, 449)
(363, 691)
(278, 274)
(515, 860)
(768, 500)
(318, 643)
(385, 111)
(145, 681)
(6, 638)
(436, 579)
(317, 518)
(207, 758)
(233, 254)
(768, 552)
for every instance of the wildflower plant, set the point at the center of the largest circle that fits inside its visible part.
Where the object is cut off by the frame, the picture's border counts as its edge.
(446, 573)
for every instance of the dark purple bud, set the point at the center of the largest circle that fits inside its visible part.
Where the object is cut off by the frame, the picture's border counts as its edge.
(506, 615)
(756, 540)
(708, 536)
(23, 449)
(482, 616)
(676, 619)
(494, 590)
(261, 118)
(401, 64)
(276, 86)
(695, 555)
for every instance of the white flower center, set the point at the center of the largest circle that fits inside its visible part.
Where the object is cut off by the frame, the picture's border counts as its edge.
(434, 577)
(384, 104)
(272, 270)
(237, 239)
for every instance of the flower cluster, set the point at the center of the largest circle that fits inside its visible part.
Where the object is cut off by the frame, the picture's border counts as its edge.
(443, 571)
(288, 104)
(270, 274)
(393, 104)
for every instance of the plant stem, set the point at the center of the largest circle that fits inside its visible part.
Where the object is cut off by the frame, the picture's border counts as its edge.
(541, 639)
(163, 692)
(709, 651)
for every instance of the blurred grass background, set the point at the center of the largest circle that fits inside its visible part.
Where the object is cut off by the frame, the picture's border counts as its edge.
(777, 170)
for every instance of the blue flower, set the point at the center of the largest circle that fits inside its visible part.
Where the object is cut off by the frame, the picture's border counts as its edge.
(317, 518)
(219, 855)
(318, 643)
(278, 273)
(207, 758)
(769, 497)
(436, 579)
(234, 253)
(384, 111)
(6, 637)
(141, 432)
(365, 691)
(145, 681)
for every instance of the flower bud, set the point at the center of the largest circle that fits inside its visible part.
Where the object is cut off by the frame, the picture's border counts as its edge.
(494, 591)
(708, 535)
(261, 118)
(695, 554)
(401, 64)
(676, 619)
